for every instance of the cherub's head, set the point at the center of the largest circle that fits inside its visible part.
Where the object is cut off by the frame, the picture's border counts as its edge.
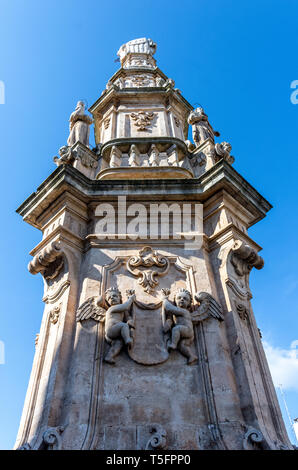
(113, 296)
(183, 298)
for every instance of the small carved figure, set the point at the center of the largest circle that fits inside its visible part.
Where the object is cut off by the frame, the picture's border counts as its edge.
(66, 156)
(223, 150)
(182, 314)
(118, 322)
(201, 128)
(179, 314)
(79, 123)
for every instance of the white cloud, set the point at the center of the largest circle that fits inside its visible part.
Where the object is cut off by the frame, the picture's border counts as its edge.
(283, 364)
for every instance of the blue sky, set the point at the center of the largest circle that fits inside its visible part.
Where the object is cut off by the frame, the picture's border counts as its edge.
(237, 59)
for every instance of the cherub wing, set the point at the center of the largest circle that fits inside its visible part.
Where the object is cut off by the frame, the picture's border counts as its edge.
(207, 306)
(91, 309)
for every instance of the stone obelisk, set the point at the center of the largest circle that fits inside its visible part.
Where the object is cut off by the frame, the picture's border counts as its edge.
(148, 339)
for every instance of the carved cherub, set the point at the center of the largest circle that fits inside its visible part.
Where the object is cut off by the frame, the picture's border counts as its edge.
(66, 156)
(118, 320)
(179, 315)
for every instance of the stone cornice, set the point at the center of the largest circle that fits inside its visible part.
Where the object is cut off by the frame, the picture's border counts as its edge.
(220, 176)
(114, 94)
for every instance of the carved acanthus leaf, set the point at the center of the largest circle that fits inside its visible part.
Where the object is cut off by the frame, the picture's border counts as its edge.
(223, 150)
(67, 156)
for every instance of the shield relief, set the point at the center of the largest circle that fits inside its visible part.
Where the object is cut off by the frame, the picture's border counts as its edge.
(149, 340)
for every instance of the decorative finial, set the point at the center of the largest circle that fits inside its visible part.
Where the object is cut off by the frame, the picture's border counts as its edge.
(137, 53)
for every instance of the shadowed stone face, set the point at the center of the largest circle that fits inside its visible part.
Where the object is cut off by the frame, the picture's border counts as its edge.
(113, 298)
(183, 300)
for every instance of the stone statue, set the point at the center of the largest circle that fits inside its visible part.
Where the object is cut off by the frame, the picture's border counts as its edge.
(179, 315)
(117, 318)
(79, 123)
(201, 128)
(118, 322)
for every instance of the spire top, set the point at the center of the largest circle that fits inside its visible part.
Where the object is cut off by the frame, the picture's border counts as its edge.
(137, 53)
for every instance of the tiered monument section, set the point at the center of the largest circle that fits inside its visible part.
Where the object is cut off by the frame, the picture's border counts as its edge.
(148, 339)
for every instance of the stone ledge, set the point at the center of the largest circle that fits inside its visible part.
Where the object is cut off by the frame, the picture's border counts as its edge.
(220, 176)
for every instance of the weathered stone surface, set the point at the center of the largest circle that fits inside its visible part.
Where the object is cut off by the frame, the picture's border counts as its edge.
(147, 342)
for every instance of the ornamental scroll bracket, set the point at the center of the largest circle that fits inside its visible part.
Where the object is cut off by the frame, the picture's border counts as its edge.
(158, 440)
(147, 258)
(51, 439)
(49, 262)
(244, 258)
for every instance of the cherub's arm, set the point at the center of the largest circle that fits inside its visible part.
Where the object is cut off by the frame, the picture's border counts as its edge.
(172, 309)
(122, 307)
(167, 320)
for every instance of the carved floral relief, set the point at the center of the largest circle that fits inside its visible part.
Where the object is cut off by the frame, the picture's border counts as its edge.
(142, 120)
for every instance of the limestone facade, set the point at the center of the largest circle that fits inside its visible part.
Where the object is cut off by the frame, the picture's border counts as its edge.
(148, 339)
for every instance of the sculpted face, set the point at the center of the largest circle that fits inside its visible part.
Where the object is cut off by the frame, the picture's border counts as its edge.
(182, 300)
(113, 298)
